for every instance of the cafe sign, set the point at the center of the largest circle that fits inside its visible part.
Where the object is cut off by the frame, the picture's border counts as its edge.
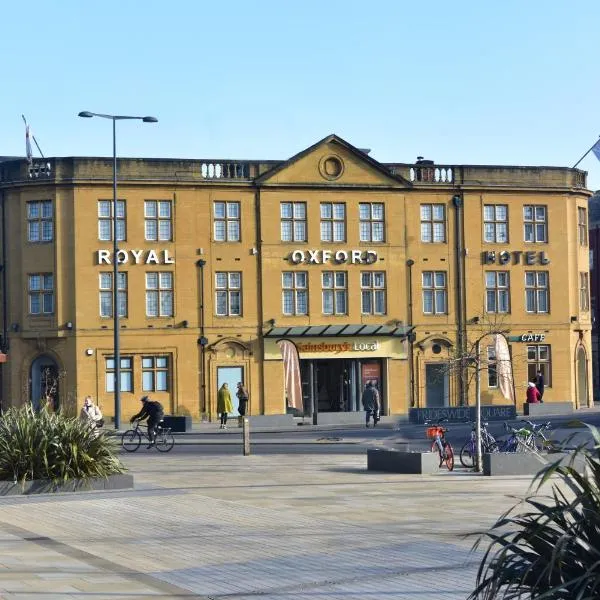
(527, 337)
(320, 257)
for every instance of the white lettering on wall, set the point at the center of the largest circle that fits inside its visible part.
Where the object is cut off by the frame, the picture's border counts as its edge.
(319, 257)
(137, 257)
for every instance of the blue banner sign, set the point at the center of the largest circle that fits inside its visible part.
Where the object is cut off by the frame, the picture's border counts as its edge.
(463, 413)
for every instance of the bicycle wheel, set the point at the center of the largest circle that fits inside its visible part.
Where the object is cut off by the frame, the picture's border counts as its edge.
(164, 442)
(449, 451)
(131, 440)
(467, 455)
(434, 448)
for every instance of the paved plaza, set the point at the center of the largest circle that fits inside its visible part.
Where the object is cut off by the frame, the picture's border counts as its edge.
(297, 526)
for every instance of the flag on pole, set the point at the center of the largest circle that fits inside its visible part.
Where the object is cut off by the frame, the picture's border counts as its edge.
(596, 149)
(291, 373)
(504, 367)
(28, 150)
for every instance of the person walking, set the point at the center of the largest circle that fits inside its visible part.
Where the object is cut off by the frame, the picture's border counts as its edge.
(242, 396)
(533, 395)
(91, 414)
(370, 402)
(539, 384)
(224, 404)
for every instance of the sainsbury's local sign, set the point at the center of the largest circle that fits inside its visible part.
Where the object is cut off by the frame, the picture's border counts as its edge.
(136, 257)
(320, 257)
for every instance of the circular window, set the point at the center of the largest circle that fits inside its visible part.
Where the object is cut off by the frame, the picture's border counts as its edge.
(436, 348)
(331, 167)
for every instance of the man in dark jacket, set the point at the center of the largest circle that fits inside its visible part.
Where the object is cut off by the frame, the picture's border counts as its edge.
(539, 384)
(370, 402)
(152, 410)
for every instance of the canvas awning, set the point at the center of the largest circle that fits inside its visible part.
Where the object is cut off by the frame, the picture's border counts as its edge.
(339, 330)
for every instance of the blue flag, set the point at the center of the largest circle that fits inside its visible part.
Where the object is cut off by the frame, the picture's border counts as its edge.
(596, 149)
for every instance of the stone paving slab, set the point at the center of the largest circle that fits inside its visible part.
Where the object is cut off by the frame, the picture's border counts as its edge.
(231, 527)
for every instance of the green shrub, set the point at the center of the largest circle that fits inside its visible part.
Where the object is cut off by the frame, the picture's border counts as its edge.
(551, 549)
(45, 445)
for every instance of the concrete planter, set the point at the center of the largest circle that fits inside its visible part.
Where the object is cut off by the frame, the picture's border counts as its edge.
(526, 463)
(43, 486)
(178, 424)
(547, 408)
(399, 461)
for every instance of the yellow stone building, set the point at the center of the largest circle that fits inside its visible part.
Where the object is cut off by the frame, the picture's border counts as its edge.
(375, 272)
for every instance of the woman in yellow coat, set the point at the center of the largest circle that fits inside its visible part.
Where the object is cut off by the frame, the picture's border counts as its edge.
(224, 404)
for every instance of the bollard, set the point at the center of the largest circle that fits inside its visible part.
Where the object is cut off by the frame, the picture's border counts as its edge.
(246, 436)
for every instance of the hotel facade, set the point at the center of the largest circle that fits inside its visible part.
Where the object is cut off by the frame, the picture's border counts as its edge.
(375, 272)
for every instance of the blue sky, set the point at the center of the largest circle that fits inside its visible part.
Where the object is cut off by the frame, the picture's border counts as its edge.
(508, 82)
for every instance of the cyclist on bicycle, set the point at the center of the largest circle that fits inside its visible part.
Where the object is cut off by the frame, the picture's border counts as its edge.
(155, 413)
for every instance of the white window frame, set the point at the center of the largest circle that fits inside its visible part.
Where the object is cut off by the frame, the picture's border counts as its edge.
(497, 290)
(584, 291)
(152, 370)
(40, 221)
(537, 289)
(158, 215)
(105, 216)
(582, 226)
(371, 290)
(330, 222)
(337, 291)
(160, 286)
(296, 219)
(126, 372)
(40, 286)
(106, 294)
(437, 292)
(535, 223)
(227, 223)
(228, 290)
(495, 226)
(368, 224)
(429, 221)
(535, 363)
(294, 285)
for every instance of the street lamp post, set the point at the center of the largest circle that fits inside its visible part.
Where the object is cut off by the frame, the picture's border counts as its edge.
(115, 283)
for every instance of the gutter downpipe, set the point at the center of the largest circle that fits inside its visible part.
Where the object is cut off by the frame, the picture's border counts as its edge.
(259, 288)
(458, 202)
(411, 335)
(4, 341)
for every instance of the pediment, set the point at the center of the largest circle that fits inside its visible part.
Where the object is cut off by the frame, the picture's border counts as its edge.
(332, 162)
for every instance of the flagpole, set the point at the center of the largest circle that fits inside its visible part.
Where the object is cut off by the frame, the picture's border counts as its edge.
(592, 147)
(33, 138)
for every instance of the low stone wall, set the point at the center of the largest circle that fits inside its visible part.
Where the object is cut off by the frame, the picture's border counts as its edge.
(399, 461)
(525, 463)
(43, 486)
(542, 409)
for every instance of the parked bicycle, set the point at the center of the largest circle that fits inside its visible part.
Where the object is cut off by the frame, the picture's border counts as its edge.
(519, 440)
(440, 444)
(163, 438)
(537, 436)
(469, 449)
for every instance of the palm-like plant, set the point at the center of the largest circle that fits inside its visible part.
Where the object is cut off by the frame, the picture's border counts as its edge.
(46, 445)
(550, 550)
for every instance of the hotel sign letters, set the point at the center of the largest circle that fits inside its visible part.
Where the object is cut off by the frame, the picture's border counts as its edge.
(319, 257)
(514, 257)
(137, 257)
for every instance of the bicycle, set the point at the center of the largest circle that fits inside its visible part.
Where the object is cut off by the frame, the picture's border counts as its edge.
(537, 438)
(519, 440)
(163, 438)
(469, 449)
(440, 444)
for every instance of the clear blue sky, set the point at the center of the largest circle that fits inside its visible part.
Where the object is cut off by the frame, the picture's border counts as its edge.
(508, 82)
